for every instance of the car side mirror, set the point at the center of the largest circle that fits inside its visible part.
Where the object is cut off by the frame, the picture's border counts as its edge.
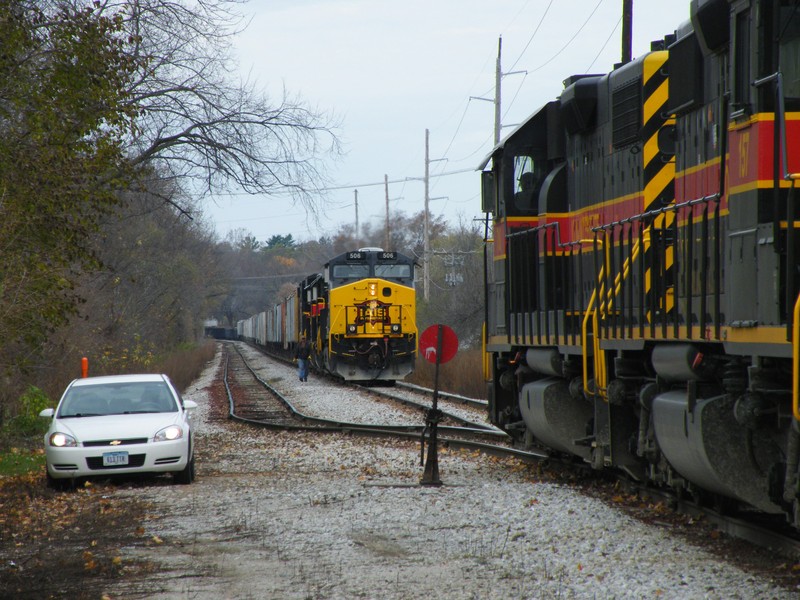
(47, 413)
(189, 404)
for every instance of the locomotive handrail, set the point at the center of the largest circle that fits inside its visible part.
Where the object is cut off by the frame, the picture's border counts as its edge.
(659, 211)
(796, 360)
(598, 358)
(780, 116)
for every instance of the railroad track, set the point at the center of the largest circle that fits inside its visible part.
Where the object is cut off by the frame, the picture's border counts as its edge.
(455, 398)
(421, 399)
(254, 400)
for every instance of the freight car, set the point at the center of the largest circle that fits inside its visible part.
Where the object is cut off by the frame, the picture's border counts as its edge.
(359, 314)
(642, 276)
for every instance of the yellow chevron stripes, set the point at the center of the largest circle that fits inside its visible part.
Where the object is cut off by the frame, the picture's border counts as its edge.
(656, 102)
(658, 182)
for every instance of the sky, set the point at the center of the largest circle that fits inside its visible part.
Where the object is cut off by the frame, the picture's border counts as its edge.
(389, 70)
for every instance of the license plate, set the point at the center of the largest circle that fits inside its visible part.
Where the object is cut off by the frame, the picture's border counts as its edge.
(111, 459)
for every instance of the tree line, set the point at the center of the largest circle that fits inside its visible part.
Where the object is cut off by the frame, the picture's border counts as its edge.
(261, 273)
(117, 117)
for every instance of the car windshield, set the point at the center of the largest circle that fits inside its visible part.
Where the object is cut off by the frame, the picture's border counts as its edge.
(117, 399)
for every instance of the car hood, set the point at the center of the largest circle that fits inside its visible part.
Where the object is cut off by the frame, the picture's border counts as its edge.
(117, 426)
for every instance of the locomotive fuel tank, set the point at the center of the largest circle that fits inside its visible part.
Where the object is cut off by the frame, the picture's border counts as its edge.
(554, 416)
(706, 445)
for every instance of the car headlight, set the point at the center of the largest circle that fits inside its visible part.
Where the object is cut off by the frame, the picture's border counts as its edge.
(62, 440)
(173, 432)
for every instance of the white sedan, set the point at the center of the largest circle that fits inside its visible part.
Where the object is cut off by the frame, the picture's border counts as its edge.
(120, 424)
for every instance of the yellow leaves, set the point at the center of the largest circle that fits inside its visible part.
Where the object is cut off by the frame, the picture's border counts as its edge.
(89, 563)
(625, 499)
(285, 261)
(156, 540)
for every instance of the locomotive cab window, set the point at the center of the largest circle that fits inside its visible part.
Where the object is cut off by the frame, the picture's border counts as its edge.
(350, 271)
(393, 271)
(528, 177)
(789, 24)
(741, 73)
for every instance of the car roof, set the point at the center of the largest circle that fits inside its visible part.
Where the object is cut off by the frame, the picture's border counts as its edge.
(106, 379)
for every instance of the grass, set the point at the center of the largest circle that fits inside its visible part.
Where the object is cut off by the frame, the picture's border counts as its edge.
(462, 375)
(21, 449)
(19, 461)
(184, 366)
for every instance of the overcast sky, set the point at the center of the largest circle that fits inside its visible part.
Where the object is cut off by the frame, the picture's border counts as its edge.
(390, 70)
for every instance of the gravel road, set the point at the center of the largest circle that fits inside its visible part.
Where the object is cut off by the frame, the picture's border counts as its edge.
(302, 516)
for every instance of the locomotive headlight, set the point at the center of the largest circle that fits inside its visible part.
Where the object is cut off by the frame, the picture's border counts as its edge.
(396, 328)
(373, 289)
(351, 329)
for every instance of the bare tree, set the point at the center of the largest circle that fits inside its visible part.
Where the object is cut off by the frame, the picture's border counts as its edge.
(197, 122)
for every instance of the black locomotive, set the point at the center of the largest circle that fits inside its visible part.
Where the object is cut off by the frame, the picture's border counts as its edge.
(642, 285)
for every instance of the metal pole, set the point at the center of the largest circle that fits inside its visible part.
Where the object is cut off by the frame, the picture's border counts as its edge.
(498, 78)
(358, 242)
(627, 31)
(386, 188)
(431, 474)
(427, 239)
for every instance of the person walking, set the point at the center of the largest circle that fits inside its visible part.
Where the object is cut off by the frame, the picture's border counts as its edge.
(301, 355)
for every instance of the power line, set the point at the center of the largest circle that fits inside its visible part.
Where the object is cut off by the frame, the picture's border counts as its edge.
(533, 35)
(569, 42)
(351, 186)
(599, 52)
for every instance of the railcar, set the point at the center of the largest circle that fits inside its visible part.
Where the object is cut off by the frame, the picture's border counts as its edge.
(359, 315)
(642, 275)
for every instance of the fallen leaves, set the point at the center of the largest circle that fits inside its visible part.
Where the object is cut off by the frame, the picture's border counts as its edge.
(50, 539)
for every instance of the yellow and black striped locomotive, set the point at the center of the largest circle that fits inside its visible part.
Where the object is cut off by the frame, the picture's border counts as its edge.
(643, 294)
(360, 315)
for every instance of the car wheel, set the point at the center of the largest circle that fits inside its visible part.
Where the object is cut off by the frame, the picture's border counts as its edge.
(187, 475)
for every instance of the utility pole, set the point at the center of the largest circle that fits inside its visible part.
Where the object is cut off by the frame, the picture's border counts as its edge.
(358, 241)
(627, 31)
(426, 258)
(498, 79)
(498, 86)
(386, 189)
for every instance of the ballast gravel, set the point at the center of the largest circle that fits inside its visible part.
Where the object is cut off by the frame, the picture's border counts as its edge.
(288, 515)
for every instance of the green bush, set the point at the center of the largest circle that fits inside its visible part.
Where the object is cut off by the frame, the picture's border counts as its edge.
(28, 422)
